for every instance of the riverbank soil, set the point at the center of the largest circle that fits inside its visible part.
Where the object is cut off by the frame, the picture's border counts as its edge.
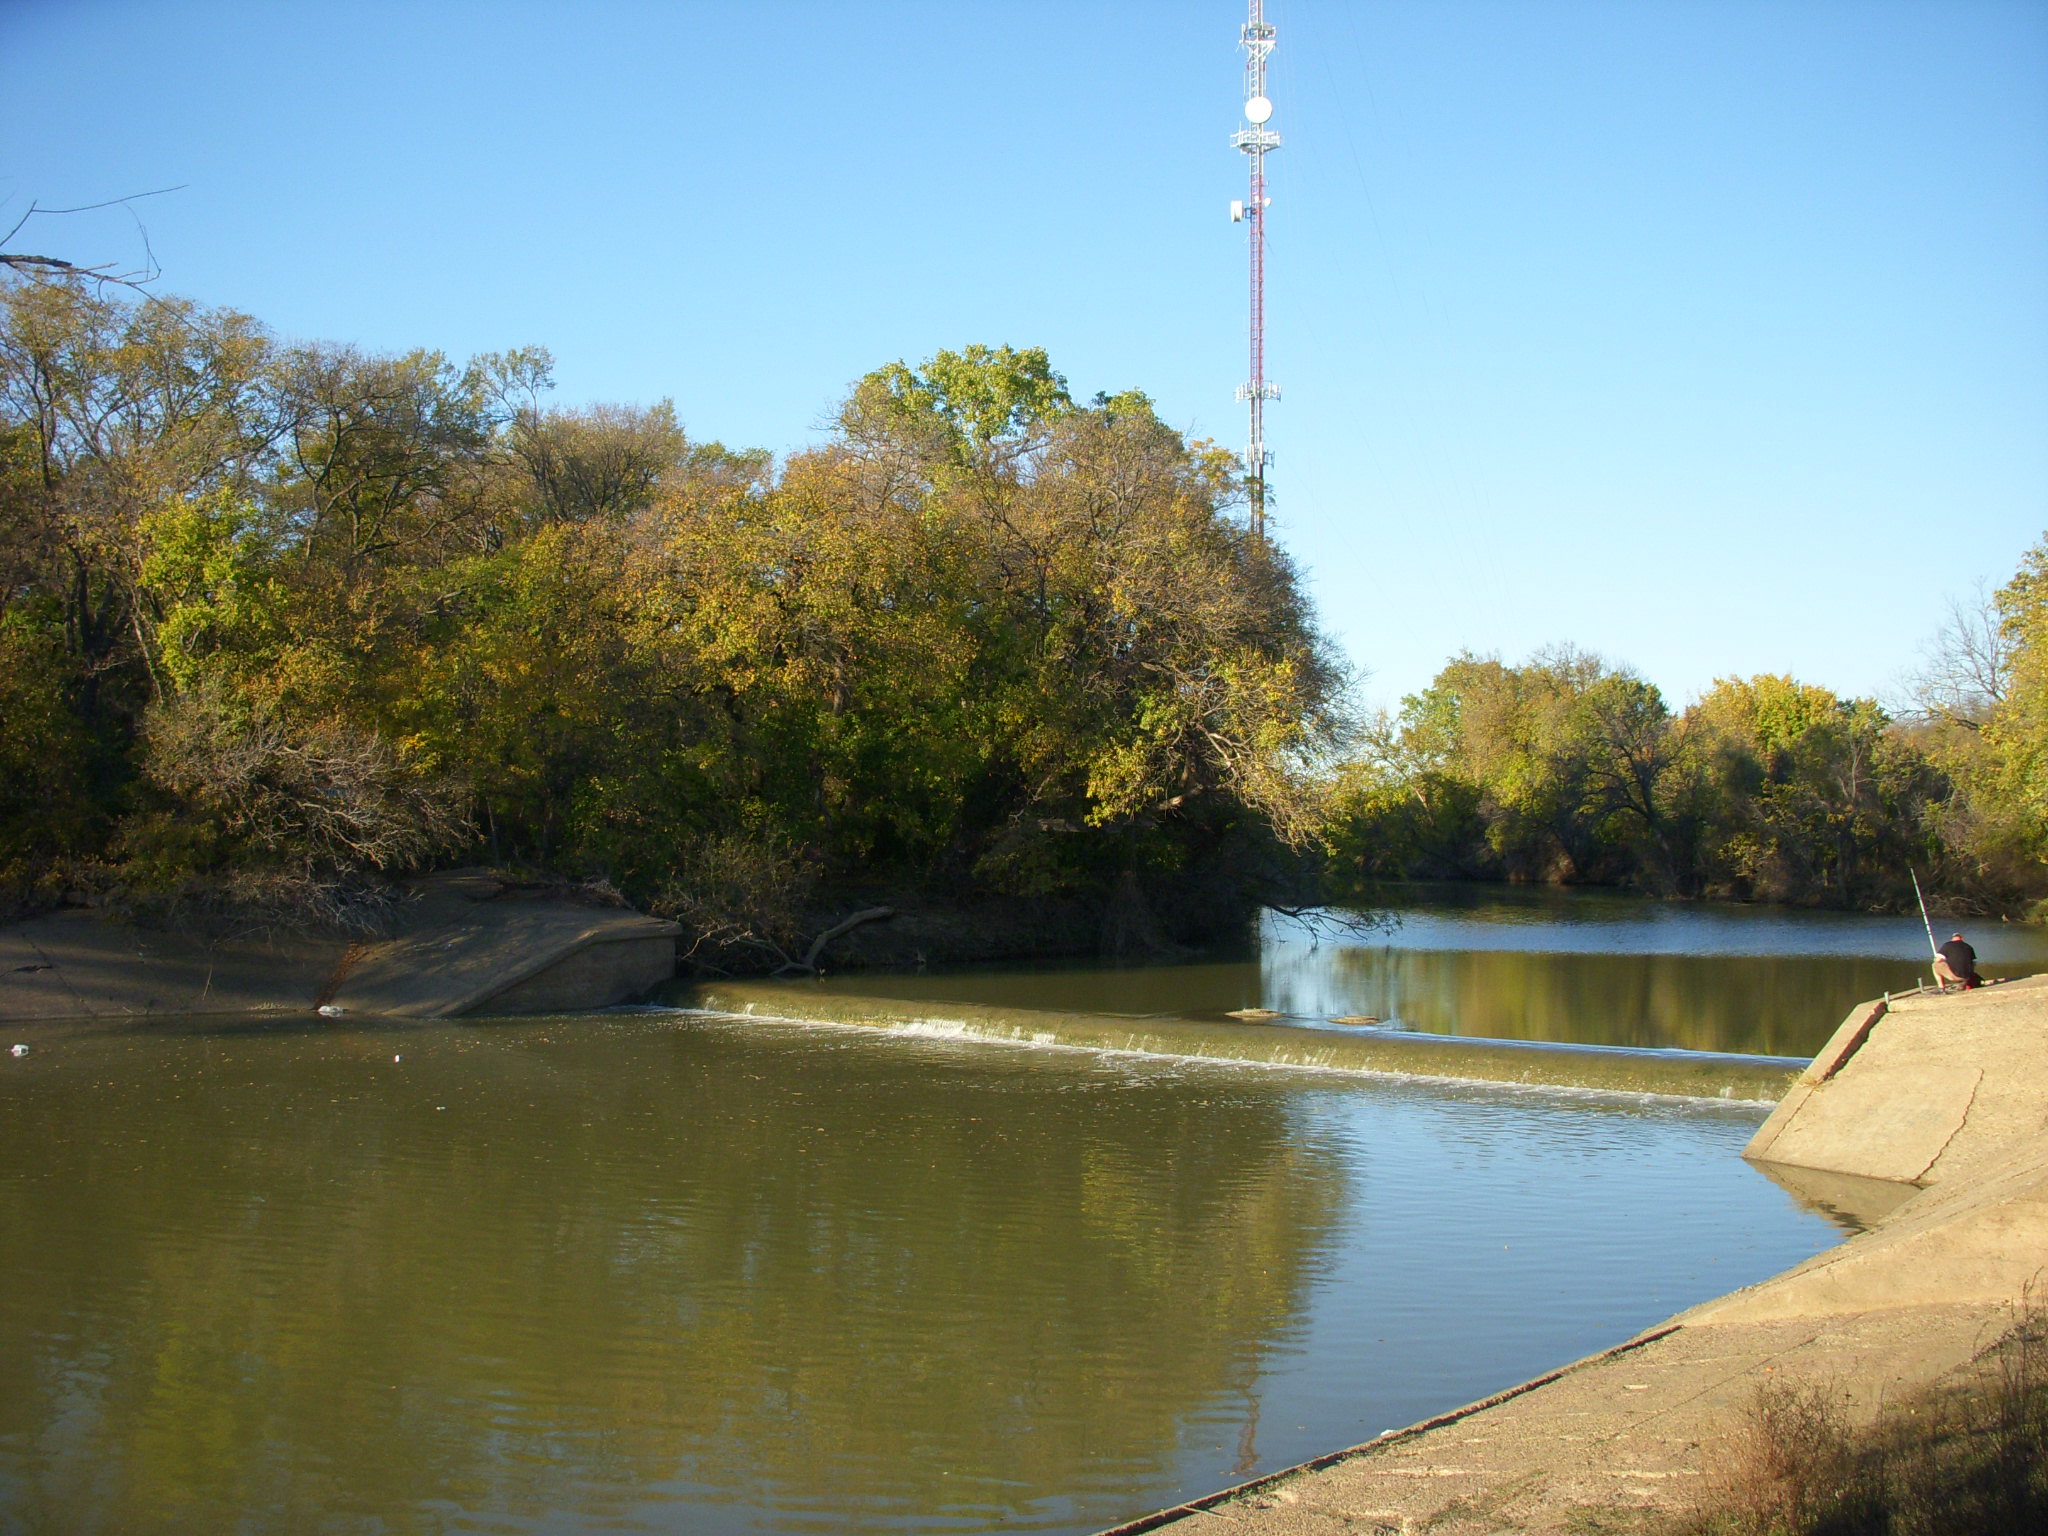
(1951, 1085)
(467, 942)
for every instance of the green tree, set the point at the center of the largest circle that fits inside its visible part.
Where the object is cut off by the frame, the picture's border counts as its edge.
(1818, 799)
(324, 612)
(1984, 701)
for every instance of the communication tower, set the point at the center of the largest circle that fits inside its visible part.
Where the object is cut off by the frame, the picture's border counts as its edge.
(1257, 41)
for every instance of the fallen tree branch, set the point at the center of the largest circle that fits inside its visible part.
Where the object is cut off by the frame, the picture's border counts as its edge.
(808, 966)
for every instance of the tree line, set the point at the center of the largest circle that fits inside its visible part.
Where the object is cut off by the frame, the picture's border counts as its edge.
(281, 620)
(1567, 769)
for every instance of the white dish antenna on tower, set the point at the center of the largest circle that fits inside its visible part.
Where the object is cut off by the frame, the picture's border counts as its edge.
(1256, 38)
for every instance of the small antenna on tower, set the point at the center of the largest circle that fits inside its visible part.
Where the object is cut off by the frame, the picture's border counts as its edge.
(1257, 41)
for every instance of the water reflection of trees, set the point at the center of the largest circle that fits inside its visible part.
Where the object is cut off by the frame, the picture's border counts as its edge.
(271, 1283)
(1779, 1005)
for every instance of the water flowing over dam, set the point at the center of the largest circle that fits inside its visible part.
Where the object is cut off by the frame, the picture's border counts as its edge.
(1529, 1064)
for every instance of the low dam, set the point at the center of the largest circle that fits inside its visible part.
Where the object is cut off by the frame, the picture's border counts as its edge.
(1281, 1043)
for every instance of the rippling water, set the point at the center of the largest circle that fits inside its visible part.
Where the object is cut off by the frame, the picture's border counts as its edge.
(647, 1273)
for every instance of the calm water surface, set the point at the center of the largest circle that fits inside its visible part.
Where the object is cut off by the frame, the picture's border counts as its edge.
(645, 1272)
(1587, 967)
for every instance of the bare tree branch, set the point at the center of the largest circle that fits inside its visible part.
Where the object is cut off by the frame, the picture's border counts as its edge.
(1967, 665)
(56, 266)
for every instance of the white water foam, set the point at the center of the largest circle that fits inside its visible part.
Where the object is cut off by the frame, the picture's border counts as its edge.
(962, 1031)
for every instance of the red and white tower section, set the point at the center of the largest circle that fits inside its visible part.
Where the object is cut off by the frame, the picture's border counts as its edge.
(1256, 140)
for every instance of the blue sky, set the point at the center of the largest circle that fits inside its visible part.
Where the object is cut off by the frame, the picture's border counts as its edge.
(1710, 336)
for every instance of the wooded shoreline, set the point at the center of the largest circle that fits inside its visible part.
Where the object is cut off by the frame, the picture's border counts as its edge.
(283, 624)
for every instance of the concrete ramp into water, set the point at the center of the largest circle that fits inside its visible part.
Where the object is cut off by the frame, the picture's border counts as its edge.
(1688, 1074)
(1943, 1101)
(468, 944)
(538, 957)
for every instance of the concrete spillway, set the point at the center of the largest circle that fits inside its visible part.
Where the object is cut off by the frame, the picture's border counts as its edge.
(538, 957)
(1687, 1074)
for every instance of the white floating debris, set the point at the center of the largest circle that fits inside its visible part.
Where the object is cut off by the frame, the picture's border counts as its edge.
(398, 1058)
(19, 1050)
(330, 1010)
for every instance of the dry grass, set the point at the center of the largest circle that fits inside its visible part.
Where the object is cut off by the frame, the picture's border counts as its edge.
(1967, 1459)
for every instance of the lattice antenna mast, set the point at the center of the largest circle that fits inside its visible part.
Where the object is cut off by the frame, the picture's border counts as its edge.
(1257, 41)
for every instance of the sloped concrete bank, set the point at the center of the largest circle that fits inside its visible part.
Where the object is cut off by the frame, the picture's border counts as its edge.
(467, 943)
(1928, 1116)
(1685, 1074)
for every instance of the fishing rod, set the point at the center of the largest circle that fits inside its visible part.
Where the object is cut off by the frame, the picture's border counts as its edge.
(1932, 947)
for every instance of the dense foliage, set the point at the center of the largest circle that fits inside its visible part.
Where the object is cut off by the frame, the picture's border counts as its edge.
(1566, 769)
(298, 614)
(278, 619)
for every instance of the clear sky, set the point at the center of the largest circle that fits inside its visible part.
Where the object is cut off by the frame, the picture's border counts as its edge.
(1707, 334)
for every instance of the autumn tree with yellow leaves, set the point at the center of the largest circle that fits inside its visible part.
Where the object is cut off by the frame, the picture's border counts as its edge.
(310, 614)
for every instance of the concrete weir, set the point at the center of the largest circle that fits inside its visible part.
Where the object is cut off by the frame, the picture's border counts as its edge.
(1392, 1052)
(1925, 1120)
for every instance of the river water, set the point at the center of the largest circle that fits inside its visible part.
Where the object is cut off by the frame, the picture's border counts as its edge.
(1578, 967)
(662, 1272)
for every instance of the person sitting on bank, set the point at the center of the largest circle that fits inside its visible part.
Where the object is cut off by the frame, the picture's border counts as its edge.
(1956, 962)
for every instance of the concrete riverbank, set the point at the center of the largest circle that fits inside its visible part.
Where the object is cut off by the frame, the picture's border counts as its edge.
(1928, 1118)
(463, 943)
